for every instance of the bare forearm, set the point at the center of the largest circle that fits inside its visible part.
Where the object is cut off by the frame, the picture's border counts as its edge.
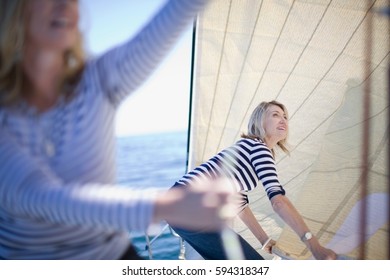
(286, 210)
(253, 225)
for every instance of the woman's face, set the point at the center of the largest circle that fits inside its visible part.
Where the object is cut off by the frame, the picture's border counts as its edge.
(275, 123)
(52, 24)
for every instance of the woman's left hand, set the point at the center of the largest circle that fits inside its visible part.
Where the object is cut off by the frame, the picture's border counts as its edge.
(267, 246)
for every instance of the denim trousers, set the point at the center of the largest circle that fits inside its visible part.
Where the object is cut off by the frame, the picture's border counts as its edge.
(210, 244)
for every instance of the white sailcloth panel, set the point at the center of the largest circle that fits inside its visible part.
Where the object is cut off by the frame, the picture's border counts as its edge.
(309, 55)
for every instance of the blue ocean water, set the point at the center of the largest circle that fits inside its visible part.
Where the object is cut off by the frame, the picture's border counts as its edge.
(153, 160)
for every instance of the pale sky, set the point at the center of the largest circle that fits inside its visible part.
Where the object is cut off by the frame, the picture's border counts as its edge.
(160, 105)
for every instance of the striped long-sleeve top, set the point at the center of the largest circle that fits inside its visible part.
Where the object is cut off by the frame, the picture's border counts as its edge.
(247, 162)
(57, 169)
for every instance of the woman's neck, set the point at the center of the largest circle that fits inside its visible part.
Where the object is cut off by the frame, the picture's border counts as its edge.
(44, 70)
(270, 142)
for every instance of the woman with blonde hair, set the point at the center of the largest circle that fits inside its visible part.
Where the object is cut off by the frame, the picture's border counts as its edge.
(58, 194)
(247, 162)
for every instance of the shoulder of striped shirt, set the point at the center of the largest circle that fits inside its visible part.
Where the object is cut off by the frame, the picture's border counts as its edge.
(251, 141)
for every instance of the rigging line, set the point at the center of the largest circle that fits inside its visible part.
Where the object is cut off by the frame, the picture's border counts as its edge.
(303, 50)
(189, 129)
(266, 66)
(241, 71)
(388, 156)
(388, 162)
(334, 62)
(366, 132)
(217, 81)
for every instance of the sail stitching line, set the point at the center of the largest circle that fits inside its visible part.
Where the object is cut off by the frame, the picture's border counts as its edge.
(241, 71)
(269, 59)
(355, 188)
(304, 49)
(332, 65)
(319, 82)
(373, 70)
(217, 81)
(372, 117)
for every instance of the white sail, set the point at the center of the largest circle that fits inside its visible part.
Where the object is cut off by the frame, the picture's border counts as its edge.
(311, 56)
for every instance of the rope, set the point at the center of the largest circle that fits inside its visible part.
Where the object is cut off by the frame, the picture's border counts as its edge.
(366, 132)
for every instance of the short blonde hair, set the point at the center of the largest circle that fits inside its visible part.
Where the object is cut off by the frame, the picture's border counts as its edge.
(256, 124)
(12, 38)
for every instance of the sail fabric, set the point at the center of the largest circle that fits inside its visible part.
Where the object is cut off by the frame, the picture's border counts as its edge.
(312, 56)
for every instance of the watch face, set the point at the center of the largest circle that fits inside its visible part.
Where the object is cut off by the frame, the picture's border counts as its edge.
(308, 235)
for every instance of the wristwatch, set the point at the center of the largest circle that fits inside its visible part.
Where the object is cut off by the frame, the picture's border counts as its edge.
(307, 236)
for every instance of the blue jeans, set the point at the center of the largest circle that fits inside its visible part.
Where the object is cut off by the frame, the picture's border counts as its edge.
(210, 246)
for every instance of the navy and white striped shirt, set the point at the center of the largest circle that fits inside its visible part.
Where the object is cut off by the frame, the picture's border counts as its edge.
(247, 162)
(57, 199)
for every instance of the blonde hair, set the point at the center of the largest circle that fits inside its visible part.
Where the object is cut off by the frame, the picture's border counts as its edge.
(256, 124)
(12, 38)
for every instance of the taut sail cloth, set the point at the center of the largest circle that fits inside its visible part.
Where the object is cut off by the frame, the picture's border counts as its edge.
(311, 55)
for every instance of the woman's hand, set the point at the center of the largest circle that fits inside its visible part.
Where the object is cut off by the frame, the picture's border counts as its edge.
(326, 254)
(319, 252)
(205, 206)
(267, 246)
